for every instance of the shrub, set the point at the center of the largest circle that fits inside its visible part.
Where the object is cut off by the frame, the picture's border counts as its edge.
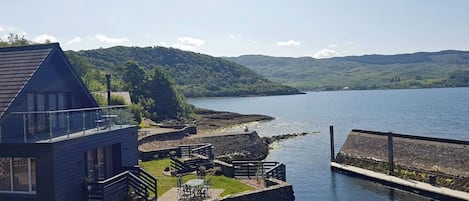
(217, 171)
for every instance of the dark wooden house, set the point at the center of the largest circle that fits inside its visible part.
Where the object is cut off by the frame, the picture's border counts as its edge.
(56, 143)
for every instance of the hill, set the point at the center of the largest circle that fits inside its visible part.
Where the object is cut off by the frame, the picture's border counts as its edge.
(195, 75)
(448, 68)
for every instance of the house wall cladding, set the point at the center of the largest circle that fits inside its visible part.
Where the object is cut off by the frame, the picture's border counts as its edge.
(447, 157)
(69, 159)
(44, 164)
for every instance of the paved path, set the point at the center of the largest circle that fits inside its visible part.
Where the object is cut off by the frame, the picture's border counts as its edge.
(405, 182)
(172, 194)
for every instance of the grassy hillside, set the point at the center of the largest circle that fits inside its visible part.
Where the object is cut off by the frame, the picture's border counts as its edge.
(418, 70)
(194, 74)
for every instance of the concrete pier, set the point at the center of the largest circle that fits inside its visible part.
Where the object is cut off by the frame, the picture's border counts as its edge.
(405, 184)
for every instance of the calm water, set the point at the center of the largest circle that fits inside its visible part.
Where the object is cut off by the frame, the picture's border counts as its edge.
(440, 113)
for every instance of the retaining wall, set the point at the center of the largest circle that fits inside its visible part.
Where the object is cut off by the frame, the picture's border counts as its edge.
(226, 147)
(279, 191)
(174, 135)
(157, 154)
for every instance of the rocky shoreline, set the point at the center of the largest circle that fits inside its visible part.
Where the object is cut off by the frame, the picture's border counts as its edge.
(275, 138)
(247, 145)
(210, 120)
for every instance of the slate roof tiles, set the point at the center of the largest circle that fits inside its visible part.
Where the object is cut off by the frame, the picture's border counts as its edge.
(17, 66)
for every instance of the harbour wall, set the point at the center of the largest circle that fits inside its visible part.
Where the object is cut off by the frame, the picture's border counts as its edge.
(226, 147)
(414, 157)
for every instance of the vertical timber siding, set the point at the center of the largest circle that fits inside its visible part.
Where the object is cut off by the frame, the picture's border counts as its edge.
(69, 160)
(44, 166)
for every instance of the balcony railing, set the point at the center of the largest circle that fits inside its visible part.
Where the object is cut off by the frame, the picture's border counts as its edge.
(49, 126)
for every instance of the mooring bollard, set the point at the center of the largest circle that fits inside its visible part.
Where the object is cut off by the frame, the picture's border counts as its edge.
(390, 154)
(432, 179)
(331, 131)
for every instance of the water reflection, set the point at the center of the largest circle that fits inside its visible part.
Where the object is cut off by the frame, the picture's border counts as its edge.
(392, 194)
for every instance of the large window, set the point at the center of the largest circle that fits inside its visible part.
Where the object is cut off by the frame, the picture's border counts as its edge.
(46, 102)
(17, 175)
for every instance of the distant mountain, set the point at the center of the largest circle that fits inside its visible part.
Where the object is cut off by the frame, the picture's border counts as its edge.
(195, 75)
(448, 68)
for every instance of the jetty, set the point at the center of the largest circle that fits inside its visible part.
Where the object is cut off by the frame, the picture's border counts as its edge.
(434, 167)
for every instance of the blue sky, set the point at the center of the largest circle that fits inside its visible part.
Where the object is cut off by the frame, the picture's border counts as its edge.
(294, 28)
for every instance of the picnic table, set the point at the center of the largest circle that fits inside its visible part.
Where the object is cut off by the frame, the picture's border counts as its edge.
(194, 189)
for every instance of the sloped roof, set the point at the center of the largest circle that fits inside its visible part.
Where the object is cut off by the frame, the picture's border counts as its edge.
(17, 66)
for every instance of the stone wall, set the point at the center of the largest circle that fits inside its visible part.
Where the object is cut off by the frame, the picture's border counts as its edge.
(174, 135)
(237, 146)
(157, 154)
(416, 158)
(279, 191)
(226, 147)
(444, 156)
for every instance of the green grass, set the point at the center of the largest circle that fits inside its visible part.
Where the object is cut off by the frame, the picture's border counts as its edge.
(165, 183)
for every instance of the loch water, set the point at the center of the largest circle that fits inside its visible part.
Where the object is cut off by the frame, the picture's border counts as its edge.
(442, 113)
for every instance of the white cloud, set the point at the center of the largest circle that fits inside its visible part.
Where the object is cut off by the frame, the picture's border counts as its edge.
(7, 28)
(326, 53)
(288, 43)
(188, 43)
(44, 38)
(163, 44)
(74, 40)
(332, 45)
(110, 40)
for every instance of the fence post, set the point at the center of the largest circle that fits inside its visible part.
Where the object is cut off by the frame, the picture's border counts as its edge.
(331, 131)
(284, 172)
(390, 154)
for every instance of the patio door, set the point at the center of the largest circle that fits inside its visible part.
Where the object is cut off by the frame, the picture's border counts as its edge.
(99, 164)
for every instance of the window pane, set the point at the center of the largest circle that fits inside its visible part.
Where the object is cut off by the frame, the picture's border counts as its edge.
(52, 107)
(20, 174)
(31, 108)
(5, 175)
(41, 106)
(61, 104)
(33, 174)
(101, 173)
(91, 163)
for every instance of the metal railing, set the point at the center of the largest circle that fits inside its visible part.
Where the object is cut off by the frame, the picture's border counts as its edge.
(116, 187)
(48, 126)
(255, 169)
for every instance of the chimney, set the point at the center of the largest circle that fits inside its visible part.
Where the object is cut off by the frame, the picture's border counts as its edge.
(108, 85)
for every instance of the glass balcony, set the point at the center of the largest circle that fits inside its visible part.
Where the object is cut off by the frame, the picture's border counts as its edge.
(52, 126)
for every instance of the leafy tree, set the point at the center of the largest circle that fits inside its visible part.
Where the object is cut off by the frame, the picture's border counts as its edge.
(135, 79)
(458, 78)
(194, 75)
(169, 102)
(154, 92)
(14, 40)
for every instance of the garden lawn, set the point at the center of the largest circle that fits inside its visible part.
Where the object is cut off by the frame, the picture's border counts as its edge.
(165, 183)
